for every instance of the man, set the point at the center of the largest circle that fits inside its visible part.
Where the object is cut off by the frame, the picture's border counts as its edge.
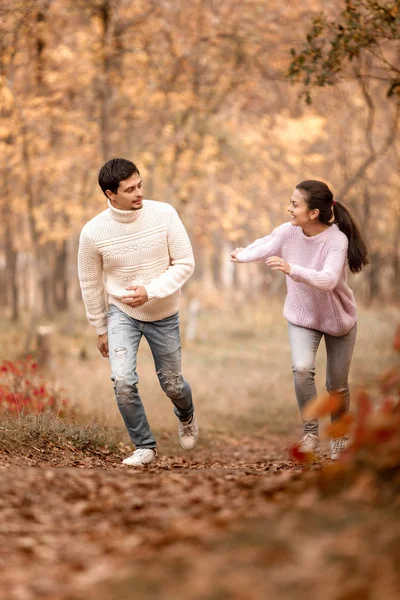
(137, 254)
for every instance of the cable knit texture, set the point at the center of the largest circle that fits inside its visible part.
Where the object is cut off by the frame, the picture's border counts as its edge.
(119, 248)
(318, 295)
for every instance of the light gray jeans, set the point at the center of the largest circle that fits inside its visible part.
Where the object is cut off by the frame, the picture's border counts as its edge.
(124, 335)
(339, 350)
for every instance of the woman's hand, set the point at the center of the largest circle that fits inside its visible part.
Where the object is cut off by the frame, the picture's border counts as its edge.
(235, 253)
(278, 264)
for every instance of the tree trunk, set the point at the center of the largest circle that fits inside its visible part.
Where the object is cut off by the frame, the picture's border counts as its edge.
(396, 263)
(29, 179)
(106, 12)
(11, 263)
(373, 281)
(61, 278)
(11, 270)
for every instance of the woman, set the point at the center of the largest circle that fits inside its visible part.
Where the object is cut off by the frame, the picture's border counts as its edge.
(313, 250)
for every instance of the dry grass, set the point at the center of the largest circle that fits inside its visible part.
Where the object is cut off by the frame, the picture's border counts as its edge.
(239, 367)
(45, 428)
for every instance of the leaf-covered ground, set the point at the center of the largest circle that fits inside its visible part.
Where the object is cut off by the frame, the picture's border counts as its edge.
(234, 520)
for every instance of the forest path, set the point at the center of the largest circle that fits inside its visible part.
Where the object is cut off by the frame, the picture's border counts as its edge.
(70, 519)
(235, 521)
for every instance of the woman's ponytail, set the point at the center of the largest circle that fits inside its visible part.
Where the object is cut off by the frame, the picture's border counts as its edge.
(357, 252)
(319, 196)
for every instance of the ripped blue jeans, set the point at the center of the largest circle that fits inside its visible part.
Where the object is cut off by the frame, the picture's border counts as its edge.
(163, 337)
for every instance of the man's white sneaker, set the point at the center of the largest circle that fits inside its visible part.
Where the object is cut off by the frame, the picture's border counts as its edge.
(308, 443)
(337, 446)
(141, 457)
(188, 433)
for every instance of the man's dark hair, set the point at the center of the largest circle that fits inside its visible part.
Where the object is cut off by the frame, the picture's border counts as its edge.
(115, 171)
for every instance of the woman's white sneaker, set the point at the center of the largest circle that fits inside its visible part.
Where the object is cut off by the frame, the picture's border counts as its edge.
(188, 433)
(308, 443)
(141, 457)
(337, 446)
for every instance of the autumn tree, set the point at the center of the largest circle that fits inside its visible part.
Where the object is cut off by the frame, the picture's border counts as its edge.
(358, 49)
(362, 42)
(195, 93)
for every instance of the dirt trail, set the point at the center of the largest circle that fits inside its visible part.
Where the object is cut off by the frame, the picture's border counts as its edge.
(234, 522)
(70, 519)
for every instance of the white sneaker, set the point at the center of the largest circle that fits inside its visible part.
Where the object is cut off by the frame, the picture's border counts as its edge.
(188, 433)
(337, 446)
(309, 443)
(141, 457)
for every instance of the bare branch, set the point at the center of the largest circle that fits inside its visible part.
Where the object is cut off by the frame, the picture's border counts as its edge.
(373, 158)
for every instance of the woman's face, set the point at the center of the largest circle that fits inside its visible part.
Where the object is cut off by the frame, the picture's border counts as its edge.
(300, 215)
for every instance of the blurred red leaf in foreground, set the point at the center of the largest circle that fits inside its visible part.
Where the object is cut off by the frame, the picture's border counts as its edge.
(396, 341)
(322, 406)
(390, 379)
(298, 456)
(341, 427)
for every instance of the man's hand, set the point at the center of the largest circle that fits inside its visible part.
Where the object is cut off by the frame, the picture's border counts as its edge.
(235, 253)
(102, 344)
(137, 297)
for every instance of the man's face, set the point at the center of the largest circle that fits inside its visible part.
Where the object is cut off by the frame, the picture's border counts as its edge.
(129, 195)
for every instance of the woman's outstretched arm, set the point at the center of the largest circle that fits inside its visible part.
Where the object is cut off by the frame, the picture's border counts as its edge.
(263, 247)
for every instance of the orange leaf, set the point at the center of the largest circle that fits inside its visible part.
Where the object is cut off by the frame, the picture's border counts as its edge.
(396, 341)
(323, 405)
(364, 405)
(383, 426)
(341, 427)
(389, 379)
(387, 406)
(334, 470)
(360, 435)
(303, 457)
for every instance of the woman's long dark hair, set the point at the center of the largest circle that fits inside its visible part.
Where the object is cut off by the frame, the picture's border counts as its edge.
(319, 196)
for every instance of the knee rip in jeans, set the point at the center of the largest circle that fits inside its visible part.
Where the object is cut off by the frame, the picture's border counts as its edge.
(303, 370)
(123, 391)
(173, 336)
(171, 381)
(337, 390)
(120, 353)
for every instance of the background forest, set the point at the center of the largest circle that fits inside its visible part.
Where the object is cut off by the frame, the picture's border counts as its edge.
(200, 96)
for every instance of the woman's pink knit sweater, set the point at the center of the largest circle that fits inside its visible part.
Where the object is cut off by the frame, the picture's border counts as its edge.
(318, 296)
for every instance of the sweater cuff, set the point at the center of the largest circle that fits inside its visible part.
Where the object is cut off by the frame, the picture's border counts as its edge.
(294, 272)
(101, 330)
(243, 253)
(150, 291)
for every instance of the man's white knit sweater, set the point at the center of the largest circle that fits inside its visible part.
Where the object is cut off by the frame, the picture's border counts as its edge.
(147, 247)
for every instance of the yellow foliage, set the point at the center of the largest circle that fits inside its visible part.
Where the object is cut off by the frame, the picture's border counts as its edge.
(185, 102)
(6, 96)
(296, 131)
